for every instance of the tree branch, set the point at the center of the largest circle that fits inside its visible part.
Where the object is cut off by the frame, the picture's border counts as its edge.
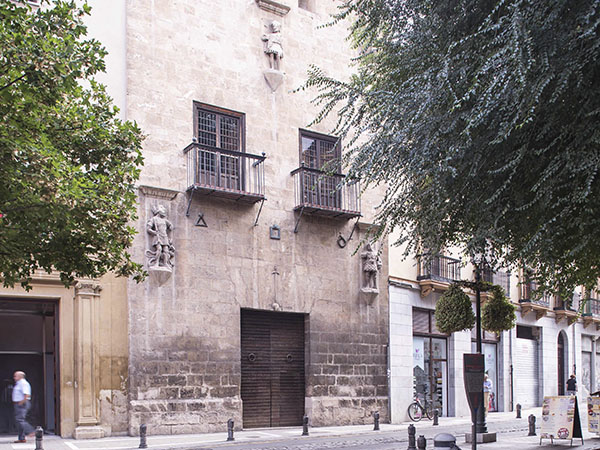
(13, 82)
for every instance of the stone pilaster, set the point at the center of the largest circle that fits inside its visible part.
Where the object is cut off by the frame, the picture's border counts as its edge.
(86, 384)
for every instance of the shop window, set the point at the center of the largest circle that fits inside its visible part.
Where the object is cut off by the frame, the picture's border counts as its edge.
(526, 333)
(430, 363)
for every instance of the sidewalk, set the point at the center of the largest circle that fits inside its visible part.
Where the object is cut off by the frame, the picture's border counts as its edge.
(512, 434)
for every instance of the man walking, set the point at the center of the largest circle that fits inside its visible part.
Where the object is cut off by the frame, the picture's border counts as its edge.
(21, 395)
(572, 385)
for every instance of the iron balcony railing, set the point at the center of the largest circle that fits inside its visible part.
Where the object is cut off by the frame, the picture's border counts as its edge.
(527, 295)
(568, 304)
(500, 278)
(438, 267)
(225, 173)
(592, 307)
(322, 193)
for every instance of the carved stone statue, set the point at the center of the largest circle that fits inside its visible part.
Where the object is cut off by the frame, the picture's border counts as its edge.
(273, 47)
(370, 267)
(161, 247)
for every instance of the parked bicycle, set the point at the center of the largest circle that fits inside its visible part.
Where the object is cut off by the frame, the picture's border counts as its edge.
(416, 410)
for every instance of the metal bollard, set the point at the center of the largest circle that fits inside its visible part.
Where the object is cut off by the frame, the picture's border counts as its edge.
(412, 431)
(422, 443)
(39, 436)
(518, 410)
(143, 430)
(230, 430)
(444, 441)
(305, 426)
(531, 420)
(376, 421)
(436, 416)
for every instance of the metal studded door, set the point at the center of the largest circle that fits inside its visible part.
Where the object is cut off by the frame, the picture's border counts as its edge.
(272, 368)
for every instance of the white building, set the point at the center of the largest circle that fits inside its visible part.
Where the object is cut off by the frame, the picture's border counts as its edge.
(532, 360)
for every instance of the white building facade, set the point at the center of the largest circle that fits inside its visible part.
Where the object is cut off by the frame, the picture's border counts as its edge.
(549, 343)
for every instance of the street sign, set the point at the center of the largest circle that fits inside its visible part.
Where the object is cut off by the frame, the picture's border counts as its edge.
(473, 378)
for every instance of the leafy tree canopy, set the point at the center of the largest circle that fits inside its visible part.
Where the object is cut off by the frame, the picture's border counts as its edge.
(481, 119)
(68, 165)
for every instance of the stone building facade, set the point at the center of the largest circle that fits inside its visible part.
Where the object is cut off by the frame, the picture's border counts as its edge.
(224, 134)
(257, 306)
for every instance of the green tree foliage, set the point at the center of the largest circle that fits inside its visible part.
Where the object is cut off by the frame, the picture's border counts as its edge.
(453, 311)
(498, 313)
(481, 119)
(68, 165)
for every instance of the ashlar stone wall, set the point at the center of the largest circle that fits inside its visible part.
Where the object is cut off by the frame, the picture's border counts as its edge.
(184, 363)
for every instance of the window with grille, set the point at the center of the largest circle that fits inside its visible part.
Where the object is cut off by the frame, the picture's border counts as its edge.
(220, 133)
(321, 153)
(318, 151)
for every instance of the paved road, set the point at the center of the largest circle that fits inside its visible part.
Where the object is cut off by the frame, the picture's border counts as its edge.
(512, 435)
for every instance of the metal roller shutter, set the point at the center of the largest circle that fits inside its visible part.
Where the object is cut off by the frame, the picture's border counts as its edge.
(272, 369)
(526, 373)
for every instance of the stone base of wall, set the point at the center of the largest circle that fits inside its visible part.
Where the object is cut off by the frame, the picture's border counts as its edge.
(337, 411)
(113, 412)
(184, 415)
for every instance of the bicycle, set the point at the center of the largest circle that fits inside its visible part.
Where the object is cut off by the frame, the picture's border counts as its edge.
(416, 410)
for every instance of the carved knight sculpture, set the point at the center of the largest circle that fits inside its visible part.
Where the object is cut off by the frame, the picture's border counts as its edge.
(371, 266)
(273, 47)
(161, 247)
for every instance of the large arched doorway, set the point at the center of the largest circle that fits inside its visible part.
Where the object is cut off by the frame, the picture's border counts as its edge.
(562, 362)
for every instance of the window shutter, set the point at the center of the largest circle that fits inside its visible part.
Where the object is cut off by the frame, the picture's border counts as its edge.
(420, 321)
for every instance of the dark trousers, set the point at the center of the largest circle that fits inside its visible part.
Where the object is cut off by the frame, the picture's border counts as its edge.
(20, 413)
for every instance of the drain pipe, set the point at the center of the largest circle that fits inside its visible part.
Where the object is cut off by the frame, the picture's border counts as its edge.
(510, 357)
(574, 352)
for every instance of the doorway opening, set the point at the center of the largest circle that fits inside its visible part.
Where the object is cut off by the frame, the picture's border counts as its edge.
(29, 342)
(562, 362)
(273, 387)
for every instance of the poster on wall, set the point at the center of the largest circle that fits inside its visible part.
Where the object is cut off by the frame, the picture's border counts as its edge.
(560, 419)
(593, 414)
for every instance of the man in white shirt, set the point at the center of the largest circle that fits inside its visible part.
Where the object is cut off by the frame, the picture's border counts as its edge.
(487, 389)
(21, 395)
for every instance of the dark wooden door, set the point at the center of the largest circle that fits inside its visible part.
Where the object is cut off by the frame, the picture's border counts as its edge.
(272, 368)
(561, 365)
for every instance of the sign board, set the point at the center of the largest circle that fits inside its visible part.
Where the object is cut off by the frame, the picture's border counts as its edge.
(560, 418)
(593, 408)
(473, 378)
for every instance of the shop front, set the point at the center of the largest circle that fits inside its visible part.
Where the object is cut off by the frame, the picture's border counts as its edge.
(430, 361)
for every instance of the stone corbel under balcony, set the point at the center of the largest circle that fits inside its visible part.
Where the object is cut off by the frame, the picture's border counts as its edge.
(589, 319)
(428, 286)
(570, 316)
(539, 310)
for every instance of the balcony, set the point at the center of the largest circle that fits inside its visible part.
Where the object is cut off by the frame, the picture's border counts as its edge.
(499, 278)
(591, 312)
(563, 309)
(436, 273)
(320, 193)
(224, 173)
(530, 303)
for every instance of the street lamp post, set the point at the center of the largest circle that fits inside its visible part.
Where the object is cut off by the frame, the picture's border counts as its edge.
(481, 426)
